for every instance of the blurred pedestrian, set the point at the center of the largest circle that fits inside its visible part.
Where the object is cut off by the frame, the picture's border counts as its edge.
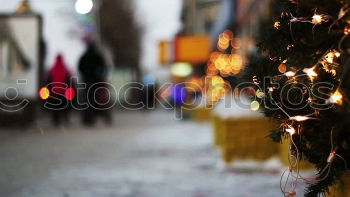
(59, 79)
(93, 71)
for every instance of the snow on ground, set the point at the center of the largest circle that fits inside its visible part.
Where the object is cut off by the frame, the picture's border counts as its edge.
(147, 154)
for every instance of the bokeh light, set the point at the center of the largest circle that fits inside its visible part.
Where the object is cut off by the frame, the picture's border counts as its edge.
(70, 94)
(194, 84)
(216, 88)
(181, 69)
(83, 6)
(44, 93)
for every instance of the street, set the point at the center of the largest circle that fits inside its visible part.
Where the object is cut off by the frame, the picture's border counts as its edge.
(146, 154)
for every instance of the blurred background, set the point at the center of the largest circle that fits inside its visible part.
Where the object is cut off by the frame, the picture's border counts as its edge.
(133, 98)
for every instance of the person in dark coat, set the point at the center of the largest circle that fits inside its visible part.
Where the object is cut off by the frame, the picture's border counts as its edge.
(93, 71)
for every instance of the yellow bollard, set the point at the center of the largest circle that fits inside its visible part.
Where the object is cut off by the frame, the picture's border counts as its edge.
(202, 114)
(217, 123)
(247, 139)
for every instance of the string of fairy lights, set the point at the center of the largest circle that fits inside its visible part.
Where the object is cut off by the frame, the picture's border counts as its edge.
(293, 125)
(231, 64)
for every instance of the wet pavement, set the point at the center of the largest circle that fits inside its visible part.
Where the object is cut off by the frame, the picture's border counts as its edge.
(147, 154)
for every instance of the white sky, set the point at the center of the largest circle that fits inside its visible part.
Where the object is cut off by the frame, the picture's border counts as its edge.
(158, 18)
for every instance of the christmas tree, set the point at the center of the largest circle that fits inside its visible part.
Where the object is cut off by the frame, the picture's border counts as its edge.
(302, 77)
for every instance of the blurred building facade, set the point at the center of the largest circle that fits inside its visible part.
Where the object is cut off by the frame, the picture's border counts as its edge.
(231, 25)
(199, 16)
(248, 20)
(210, 17)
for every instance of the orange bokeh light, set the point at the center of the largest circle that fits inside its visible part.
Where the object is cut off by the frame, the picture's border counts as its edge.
(44, 93)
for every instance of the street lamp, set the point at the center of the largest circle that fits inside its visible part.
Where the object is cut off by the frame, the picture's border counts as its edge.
(83, 6)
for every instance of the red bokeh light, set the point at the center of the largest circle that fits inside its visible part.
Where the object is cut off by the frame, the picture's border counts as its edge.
(70, 94)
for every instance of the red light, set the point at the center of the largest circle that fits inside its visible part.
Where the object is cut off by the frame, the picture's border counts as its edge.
(44, 93)
(70, 94)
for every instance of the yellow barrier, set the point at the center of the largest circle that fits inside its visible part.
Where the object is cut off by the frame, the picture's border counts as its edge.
(247, 139)
(341, 189)
(202, 114)
(244, 139)
(218, 131)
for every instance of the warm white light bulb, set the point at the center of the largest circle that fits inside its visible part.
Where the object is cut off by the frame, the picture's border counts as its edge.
(299, 118)
(290, 74)
(290, 130)
(83, 6)
(329, 58)
(336, 98)
(310, 72)
(317, 19)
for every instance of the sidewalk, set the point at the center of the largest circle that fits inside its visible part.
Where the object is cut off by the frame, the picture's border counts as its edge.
(146, 154)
